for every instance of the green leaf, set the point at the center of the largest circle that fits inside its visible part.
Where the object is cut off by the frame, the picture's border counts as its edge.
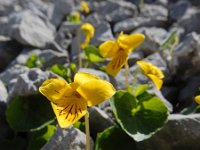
(39, 138)
(18, 143)
(141, 89)
(61, 71)
(29, 113)
(114, 139)
(140, 118)
(92, 54)
(34, 62)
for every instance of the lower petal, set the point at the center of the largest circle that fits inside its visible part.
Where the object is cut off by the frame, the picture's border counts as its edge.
(70, 112)
(157, 81)
(116, 64)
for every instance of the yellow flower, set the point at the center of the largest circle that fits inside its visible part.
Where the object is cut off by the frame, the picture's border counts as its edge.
(88, 29)
(84, 7)
(153, 72)
(70, 100)
(197, 99)
(75, 17)
(118, 50)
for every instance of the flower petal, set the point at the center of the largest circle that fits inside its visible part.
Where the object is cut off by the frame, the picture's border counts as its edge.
(130, 42)
(96, 91)
(83, 77)
(86, 42)
(70, 112)
(145, 66)
(88, 29)
(117, 63)
(197, 99)
(84, 7)
(108, 49)
(55, 90)
(157, 81)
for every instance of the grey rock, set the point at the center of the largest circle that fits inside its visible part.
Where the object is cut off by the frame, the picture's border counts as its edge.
(192, 15)
(66, 139)
(28, 28)
(8, 6)
(98, 73)
(135, 56)
(4, 93)
(99, 121)
(60, 10)
(187, 93)
(186, 57)
(129, 25)
(154, 38)
(10, 75)
(154, 11)
(102, 33)
(28, 83)
(180, 133)
(9, 49)
(178, 10)
(95, 19)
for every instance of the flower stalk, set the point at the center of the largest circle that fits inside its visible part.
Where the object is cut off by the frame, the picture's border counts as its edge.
(87, 131)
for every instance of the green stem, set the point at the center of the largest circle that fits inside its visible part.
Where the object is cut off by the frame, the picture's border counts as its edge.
(126, 74)
(87, 131)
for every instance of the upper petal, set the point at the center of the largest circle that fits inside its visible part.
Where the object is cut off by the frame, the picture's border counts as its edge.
(108, 49)
(83, 77)
(55, 90)
(70, 112)
(145, 66)
(96, 91)
(130, 42)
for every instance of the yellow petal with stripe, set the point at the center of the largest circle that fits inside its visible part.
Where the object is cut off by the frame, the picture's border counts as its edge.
(197, 99)
(70, 112)
(55, 90)
(96, 91)
(130, 42)
(117, 63)
(157, 81)
(108, 49)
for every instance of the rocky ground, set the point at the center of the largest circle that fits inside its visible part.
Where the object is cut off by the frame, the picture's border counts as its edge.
(40, 27)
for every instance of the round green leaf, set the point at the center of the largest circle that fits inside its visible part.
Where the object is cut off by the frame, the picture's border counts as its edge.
(29, 113)
(114, 139)
(39, 138)
(139, 118)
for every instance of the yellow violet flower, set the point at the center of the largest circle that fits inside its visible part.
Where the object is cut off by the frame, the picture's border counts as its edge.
(70, 100)
(88, 29)
(75, 17)
(84, 7)
(197, 99)
(153, 72)
(118, 50)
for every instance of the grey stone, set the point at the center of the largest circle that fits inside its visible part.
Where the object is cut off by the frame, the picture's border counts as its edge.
(187, 93)
(180, 133)
(60, 10)
(186, 57)
(9, 49)
(4, 93)
(28, 83)
(66, 139)
(99, 121)
(129, 25)
(154, 38)
(8, 6)
(98, 73)
(178, 10)
(154, 11)
(10, 75)
(192, 15)
(28, 28)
